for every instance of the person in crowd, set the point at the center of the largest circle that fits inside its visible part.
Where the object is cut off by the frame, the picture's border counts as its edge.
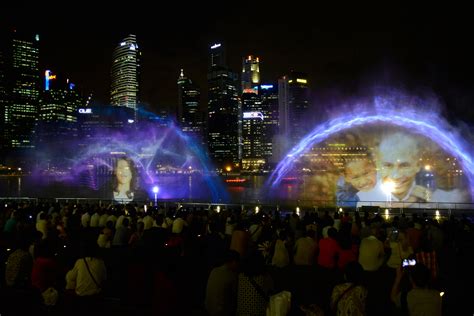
(221, 290)
(349, 298)
(148, 220)
(105, 237)
(255, 229)
(428, 257)
(155, 237)
(348, 250)
(280, 257)
(328, 250)
(103, 218)
(122, 234)
(136, 237)
(305, 249)
(400, 249)
(240, 239)
(254, 286)
(415, 234)
(179, 223)
(85, 219)
(371, 251)
(294, 221)
(337, 221)
(45, 270)
(42, 225)
(10, 225)
(87, 279)
(95, 218)
(19, 264)
(421, 299)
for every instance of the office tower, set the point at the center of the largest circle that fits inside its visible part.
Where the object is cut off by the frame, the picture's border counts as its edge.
(283, 106)
(259, 127)
(294, 98)
(253, 132)
(269, 95)
(224, 112)
(59, 104)
(125, 74)
(189, 116)
(250, 74)
(19, 90)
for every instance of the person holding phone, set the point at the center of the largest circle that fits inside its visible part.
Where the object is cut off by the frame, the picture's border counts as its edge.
(420, 299)
(400, 250)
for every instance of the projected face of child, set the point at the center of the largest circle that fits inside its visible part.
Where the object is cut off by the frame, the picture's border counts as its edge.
(361, 174)
(399, 161)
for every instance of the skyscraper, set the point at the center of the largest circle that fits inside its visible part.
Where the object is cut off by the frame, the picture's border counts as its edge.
(283, 106)
(253, 132)
(58, 110)
(269, 96)
(124, 89)
(189, 115)
(19, 89)
(294, 112)
(250, 73)
(224, 111)
(259, 127)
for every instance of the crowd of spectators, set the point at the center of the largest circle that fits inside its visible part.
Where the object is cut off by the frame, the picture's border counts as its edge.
(114, 258)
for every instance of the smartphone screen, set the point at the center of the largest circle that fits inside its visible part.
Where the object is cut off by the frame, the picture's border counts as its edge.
(408, 262)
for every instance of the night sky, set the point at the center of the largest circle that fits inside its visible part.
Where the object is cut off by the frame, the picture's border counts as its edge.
(343, 48)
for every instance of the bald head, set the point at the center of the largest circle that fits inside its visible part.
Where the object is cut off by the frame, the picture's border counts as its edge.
(399, 160)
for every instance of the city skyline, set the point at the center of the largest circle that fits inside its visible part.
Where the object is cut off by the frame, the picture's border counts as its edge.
(342, 52)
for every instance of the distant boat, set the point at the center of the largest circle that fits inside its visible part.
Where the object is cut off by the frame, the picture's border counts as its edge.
(291, 180)
(236, 181)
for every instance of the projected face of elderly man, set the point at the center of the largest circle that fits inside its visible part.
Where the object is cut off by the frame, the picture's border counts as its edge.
(399, 163)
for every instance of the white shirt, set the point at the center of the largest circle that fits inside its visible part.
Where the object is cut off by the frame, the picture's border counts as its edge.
(377, 194)
(178, 225)
(337, 224)
(147, 222)
(119, 221)
(85, 220)
(371, 253)
(80, 280)
(255, 231)
(38, 216)
(229, 228)
(95, 220)
(112, 218)
(42, 226)
(103, 220)
(305, 248)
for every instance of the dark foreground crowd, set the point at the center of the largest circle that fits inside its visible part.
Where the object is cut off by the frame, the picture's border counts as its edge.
(62, 259)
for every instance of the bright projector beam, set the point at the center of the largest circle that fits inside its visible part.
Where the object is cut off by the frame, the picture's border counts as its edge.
(388, 187)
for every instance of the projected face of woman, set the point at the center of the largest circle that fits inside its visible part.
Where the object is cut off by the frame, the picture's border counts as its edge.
(123, 172)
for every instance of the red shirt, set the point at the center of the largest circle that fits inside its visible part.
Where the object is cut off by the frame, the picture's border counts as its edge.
(347, 255)
(414, 237)
(44, 273)
(328, 249)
